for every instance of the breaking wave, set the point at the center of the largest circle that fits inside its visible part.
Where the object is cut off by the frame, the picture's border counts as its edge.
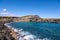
(35, 31)
(24, 35)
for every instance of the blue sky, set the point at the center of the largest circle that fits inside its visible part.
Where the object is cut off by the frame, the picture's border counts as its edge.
(43, 8)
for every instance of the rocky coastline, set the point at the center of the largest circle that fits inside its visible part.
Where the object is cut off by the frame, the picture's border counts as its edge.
(6, 33)
(9, 34)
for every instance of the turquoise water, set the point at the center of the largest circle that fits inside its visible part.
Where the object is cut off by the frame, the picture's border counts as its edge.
(40, 29)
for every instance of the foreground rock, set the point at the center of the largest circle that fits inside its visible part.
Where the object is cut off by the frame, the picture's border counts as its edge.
(5, 33)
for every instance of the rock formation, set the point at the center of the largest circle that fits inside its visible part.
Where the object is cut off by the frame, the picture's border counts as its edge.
(5, 32)
(29, 18)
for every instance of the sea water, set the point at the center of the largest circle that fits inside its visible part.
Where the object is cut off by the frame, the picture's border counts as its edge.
(38, 30)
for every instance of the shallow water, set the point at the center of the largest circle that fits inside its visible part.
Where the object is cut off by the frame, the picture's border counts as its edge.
(42, 30)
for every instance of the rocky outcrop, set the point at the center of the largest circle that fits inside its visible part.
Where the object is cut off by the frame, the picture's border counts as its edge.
(5, 32)
(29, 18)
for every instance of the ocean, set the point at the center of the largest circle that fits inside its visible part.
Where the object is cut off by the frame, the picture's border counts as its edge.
(38, 30)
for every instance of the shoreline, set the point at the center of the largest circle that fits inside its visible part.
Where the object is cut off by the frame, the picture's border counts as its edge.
(20, 34)
(17, 34)
(5, 32)
(14, 31)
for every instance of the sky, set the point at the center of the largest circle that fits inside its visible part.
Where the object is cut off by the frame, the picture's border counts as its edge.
(43, 8)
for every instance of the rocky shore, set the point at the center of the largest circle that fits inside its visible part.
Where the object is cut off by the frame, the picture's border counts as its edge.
(6, 33)
(9, 34)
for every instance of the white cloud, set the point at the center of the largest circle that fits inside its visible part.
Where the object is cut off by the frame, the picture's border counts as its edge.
(5, 13)
(4, 9)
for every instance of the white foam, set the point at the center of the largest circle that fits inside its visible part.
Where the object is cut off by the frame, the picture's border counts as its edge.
(7, 24)
(29, 37)
(15, 29)
(24, 35)
(43, 39)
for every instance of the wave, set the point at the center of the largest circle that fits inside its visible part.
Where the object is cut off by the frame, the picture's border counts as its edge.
(24, 35)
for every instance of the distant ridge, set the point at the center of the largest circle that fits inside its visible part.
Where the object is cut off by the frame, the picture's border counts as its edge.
(28, 18)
